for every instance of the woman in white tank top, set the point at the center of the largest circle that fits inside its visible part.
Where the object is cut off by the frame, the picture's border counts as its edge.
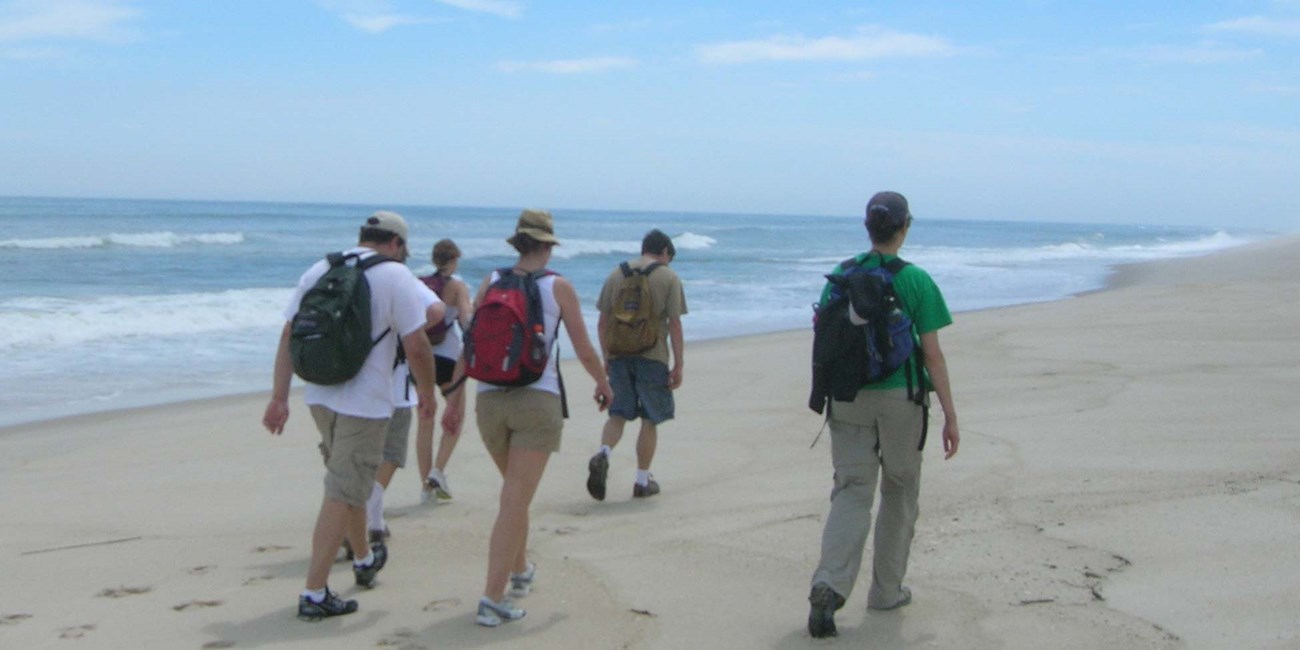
(455, 295)
(521, 426)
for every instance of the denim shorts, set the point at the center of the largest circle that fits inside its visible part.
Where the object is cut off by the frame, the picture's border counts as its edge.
(640, 389)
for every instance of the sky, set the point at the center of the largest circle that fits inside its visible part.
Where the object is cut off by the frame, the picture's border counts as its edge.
(1157, 112)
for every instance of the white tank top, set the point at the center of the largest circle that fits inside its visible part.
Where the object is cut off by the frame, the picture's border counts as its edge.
(550, 380)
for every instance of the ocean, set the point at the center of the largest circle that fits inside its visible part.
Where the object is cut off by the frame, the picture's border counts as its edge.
(107, 304)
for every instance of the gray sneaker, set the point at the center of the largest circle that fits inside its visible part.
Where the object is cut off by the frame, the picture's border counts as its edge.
(492, 614)
(365, 575)
(522, 583)
(312, 611)
(597, 470)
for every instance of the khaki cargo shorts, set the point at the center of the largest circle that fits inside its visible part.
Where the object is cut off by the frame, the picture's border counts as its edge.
(519, 417)
(352, 448)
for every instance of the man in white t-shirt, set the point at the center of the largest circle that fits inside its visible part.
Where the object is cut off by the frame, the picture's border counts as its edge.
(353, 416)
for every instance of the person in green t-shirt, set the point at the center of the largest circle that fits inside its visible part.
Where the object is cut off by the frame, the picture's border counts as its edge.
(880, 434)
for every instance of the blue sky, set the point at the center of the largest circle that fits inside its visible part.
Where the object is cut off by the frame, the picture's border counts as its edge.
(1176, 112)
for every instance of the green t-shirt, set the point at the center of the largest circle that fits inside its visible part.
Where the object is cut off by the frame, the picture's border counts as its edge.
(922, 302)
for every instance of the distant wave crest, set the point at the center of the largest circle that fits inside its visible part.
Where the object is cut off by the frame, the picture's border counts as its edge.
(165, 239)
(41, 321)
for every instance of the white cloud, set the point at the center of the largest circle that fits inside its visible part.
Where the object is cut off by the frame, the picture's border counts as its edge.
(1205, 53)
(42, 20)
(379, 23)
(568, 66)
(1258, 25)
(868, 43)
(503, 8)
(371, 16)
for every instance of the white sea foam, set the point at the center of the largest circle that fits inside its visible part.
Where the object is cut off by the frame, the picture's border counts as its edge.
(37, 322)
(689, 241)
(164, 239)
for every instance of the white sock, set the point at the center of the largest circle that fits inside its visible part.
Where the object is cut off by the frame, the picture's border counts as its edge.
(643, 477)
(375, 508)
(314, 595)
(367, 560)
(605, 449)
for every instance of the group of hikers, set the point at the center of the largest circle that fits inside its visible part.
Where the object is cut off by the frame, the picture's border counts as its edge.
(376, 345)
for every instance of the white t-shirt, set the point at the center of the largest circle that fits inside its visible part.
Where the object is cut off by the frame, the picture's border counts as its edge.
(403, 386)
(550, 379)
(397, 305)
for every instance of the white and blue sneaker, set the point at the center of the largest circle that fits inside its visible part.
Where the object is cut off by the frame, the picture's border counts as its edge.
(492, 614)
(522, 583)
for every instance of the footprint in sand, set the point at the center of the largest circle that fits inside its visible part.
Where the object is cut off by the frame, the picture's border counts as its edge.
(76, 631)
(271, 548)
(218, 644)
(197, 604)
(566, 530)
(257, 580)
(402, 639)
(121, 592)
(14, 619)
(441, 604)
(201, 570)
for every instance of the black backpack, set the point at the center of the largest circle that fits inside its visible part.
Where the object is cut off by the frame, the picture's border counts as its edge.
(329, 337)
(846, 355)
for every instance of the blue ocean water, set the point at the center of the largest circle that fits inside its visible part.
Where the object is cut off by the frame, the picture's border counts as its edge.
(113, 303)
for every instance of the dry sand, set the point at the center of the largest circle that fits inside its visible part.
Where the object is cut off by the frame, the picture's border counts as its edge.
(1129, 476)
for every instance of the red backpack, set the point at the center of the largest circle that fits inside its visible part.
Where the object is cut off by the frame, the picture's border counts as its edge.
(436, 332)
(505, 344)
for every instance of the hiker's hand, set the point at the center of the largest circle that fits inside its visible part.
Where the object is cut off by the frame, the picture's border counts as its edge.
(454, 416)
(277, 413)
(604, 396)
(674, 378)
(950, 438)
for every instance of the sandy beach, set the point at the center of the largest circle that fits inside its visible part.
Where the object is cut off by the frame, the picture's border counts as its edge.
(1129, 476)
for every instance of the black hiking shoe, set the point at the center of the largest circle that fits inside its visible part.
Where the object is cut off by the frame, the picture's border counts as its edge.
(312, 611)
(821, 616)
(597, 470)
(379, 536)
(650, 489)
(366, 574)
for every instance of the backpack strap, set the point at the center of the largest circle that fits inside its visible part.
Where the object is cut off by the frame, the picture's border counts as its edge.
(340, 257)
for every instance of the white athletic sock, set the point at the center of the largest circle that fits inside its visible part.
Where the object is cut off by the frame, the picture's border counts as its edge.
(375, 508)
(314, 595)
(643, 477)
(604, 449)
(367, 560)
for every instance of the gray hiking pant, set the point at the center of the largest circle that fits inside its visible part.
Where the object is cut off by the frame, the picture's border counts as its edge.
(874, 436)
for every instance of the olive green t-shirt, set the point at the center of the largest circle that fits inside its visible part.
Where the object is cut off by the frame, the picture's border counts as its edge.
(922, 302)
(665, 290)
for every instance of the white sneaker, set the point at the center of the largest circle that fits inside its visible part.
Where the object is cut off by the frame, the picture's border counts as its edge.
(522, 583)
(427, 497)
(438, 483)
(492, 614)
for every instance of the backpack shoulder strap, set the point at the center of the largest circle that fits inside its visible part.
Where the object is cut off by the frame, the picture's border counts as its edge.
(895, 265)
(626, 269)
(373, 260)
(849, 264)
(651, 267)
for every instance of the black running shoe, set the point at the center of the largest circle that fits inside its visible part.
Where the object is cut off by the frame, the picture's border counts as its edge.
(821, 617)
(597, 470)
(366, 574)
(650, 489)
(312, 611)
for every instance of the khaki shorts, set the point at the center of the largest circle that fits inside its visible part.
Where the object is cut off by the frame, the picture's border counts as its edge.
(352, 448)
(397, 435)
(520, 417)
